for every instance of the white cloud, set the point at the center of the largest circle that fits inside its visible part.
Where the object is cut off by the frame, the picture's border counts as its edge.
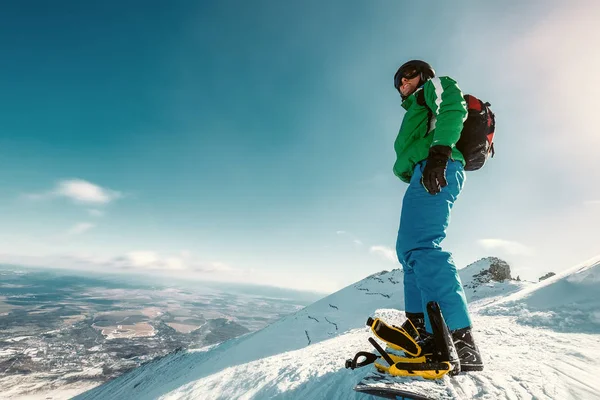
(592, 202)
(85, 192)
(79, 191)
(142, 258)
(80, 228)
(355, 240)
(385, 252)
(185, 253)
(151, 260)
(510, 247)
(214, 267)
(96, 213)
(177, 266)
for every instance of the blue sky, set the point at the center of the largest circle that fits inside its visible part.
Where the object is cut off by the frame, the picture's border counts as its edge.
(254, 143)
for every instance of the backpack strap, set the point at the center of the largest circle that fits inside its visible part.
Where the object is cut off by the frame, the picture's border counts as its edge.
(420, 95)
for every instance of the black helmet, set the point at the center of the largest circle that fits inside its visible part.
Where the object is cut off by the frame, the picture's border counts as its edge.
(411, 69)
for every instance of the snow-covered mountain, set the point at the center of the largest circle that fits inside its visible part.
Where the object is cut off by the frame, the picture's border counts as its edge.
(302, 355)
(566, 302)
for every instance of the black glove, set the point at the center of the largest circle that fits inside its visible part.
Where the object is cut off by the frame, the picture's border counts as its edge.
(434, 173)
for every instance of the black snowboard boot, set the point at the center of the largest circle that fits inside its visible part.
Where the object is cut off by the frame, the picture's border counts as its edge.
(468, 353)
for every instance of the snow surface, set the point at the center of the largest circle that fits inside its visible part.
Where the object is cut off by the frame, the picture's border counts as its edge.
(539, 341)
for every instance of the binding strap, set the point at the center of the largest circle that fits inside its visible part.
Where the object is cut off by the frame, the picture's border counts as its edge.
(395, 337)
(426, 370)
(354, 363)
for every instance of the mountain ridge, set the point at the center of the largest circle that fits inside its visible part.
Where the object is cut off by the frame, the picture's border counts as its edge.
(302, 355)
(324, 319)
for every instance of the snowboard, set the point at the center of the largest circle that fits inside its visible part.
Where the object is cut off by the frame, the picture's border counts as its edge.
(383, 385)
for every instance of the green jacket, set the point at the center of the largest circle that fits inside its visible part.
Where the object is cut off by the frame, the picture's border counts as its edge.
(446, 101)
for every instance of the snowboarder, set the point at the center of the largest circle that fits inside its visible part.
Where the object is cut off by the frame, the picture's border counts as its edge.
(428, 160)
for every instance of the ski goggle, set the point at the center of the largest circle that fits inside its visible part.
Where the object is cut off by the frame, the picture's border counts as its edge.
(407, 73)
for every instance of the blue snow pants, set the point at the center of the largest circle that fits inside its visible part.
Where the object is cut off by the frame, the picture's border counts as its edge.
(429, 271)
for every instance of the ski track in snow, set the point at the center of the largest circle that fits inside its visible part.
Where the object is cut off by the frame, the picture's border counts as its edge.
(524, 360)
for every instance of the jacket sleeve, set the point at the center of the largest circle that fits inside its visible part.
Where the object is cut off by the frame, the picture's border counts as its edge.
(445, 99)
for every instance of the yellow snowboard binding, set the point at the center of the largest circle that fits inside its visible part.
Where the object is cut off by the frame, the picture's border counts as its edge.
(429, 358)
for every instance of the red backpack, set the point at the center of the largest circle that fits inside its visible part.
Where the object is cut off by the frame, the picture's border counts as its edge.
(476, 141)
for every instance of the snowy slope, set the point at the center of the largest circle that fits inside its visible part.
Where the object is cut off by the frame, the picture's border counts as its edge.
(522, 361)
(568, 302)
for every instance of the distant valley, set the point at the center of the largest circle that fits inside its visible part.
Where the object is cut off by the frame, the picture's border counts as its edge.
(61, 333)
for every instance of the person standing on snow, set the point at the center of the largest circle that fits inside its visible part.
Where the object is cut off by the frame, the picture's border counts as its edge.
(428, 160)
